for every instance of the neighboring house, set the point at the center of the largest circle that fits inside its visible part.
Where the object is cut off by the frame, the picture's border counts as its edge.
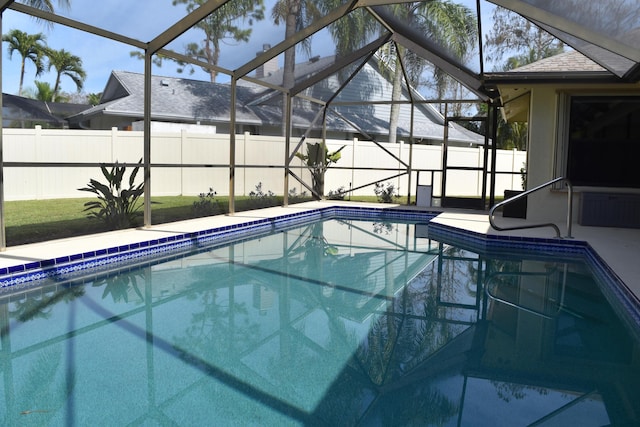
(20, 112)
(584, 124)
(258, 108)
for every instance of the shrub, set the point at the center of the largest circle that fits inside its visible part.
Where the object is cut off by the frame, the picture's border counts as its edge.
(259, 198)
(207, 204)
(117, 207)
(386, 193)
(337, 194)
(294, 197)
(382, 228)
(523, 176)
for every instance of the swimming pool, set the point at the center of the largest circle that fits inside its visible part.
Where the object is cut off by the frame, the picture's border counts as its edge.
(357, 319)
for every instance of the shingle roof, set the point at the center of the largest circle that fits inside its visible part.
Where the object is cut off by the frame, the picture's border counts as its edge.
(17, 108)
(571, 61)
(185, 100)
(177, 99)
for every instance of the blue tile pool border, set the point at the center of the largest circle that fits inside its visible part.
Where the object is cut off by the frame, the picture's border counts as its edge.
(125, 256)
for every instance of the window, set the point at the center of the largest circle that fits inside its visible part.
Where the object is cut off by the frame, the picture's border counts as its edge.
(603, 147)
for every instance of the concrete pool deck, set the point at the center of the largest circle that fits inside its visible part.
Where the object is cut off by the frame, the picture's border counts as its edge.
(618, 247)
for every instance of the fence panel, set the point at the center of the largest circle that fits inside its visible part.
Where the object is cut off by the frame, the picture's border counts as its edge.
(259, 159)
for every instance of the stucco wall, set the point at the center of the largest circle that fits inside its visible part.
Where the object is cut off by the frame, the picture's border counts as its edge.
(546, 204)
(545, 118)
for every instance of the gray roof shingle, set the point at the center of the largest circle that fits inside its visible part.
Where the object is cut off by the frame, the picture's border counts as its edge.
(571, 61)
(185, 100)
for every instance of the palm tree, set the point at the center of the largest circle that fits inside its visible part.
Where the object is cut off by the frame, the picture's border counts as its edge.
(94, 98)
(68, 65)
(296, 15)
(219, 26)
(47, 5)
(452, 26)
(44, 92)
(30, 47)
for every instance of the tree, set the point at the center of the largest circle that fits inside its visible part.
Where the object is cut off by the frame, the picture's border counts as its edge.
(44, 92)
(318, 159)
(30, 47)
(38, 43)
(218, 26)
(47, 5)
(296, 15)
(66, 64)
(94, 98)
(524, 41)
(452, 26)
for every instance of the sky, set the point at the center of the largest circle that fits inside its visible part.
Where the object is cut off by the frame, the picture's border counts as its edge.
(140, 19)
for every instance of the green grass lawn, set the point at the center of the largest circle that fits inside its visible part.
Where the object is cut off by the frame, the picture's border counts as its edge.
(33, 221)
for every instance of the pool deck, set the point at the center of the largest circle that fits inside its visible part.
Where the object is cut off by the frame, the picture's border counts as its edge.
(618, 247)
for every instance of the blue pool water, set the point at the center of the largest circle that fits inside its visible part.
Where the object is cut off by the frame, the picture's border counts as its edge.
(334, 322)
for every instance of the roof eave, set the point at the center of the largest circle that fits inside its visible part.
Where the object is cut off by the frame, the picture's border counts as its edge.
(493, 79)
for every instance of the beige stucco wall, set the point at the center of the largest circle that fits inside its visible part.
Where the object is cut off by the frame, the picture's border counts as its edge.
(547, 204)
(544, 120)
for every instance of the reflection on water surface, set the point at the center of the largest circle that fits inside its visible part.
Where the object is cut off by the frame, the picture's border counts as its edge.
(334, 323)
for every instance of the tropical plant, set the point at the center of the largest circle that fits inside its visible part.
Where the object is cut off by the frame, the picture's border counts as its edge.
(31, 48)
(66, 64)
(120, 285)
(383, 227)
(118, 207)
(40, 306)
(318, 159)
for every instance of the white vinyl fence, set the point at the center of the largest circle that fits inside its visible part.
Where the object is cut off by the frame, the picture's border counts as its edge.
(203, 162)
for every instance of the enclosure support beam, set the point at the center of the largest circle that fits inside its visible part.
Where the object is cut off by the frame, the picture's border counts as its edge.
(410, 167)
(147, 138)
(287, 148)
(3, 237)
(493, 125)
(445, 152)
(232, 148)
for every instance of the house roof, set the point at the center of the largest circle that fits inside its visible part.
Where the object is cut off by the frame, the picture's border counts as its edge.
(606, 31)
(566, 67)
(20, 109)
(185, 100)
(172, 99)
(566, 62)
